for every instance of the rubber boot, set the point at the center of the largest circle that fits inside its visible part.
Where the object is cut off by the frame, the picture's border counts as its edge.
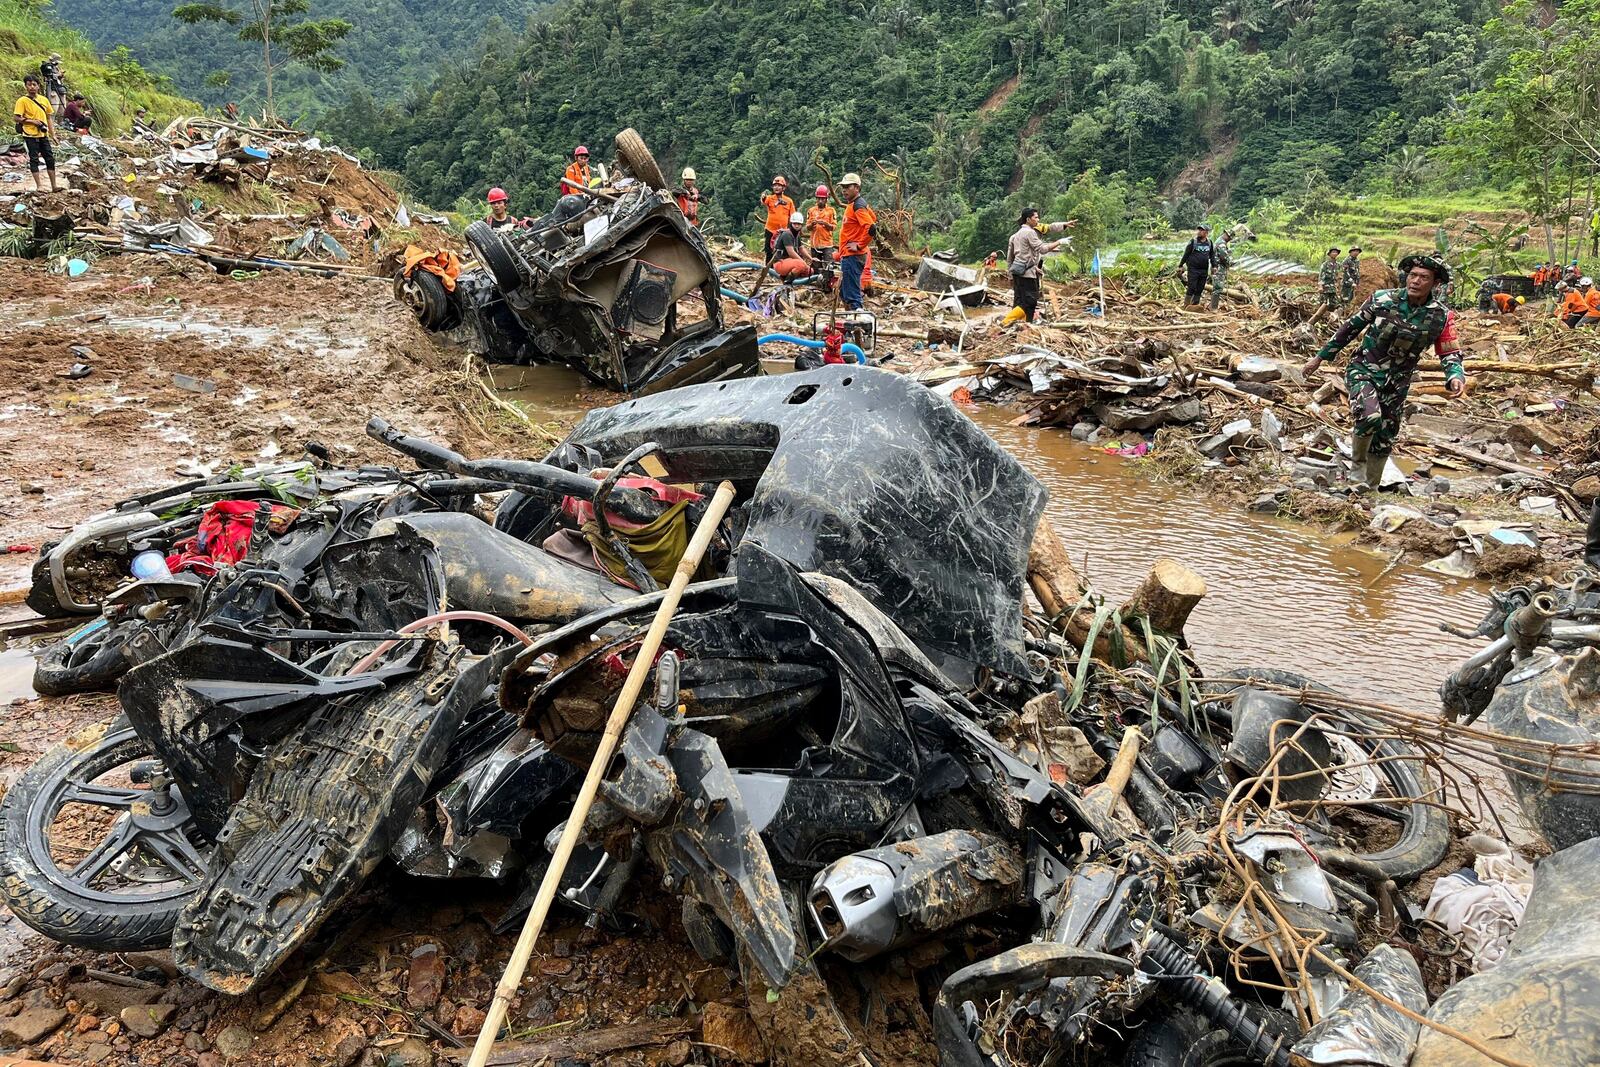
(1375, 466)
(1216, 299)
(1015, 315)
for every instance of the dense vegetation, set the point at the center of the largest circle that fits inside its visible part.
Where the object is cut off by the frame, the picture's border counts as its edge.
(115, 84)
(393, 45)
(975, 103)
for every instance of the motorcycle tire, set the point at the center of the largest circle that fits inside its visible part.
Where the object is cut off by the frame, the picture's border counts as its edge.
(91, 657)
(633, 154)
(1180, 1037)
(496, 258)
(49, 899)
(1425, 828)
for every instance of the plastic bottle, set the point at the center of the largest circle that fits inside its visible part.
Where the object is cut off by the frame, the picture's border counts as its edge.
(149, 565)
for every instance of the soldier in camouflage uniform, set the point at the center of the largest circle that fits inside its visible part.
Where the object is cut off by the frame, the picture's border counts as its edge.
(1350, 278)
(1400, 324)
(1222, 259)
(1328, 283)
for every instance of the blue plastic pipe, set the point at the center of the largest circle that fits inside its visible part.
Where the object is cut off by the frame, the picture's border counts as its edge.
(804, 342)
(736, 266)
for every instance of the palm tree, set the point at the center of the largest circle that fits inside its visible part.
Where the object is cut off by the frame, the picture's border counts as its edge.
(901, 21)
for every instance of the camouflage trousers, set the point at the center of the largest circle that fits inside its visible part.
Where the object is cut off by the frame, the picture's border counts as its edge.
(1377, 404)
(1219, 282)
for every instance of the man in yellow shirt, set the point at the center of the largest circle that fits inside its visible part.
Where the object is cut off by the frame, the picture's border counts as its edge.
(32, 116)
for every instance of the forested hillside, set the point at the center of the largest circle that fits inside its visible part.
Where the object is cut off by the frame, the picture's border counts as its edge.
(394, 44)
(1240, 99)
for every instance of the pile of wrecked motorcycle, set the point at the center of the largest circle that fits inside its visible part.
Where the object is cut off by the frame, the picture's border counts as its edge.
(887, 716)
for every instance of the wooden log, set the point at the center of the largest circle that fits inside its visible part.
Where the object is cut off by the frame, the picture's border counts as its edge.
(1166, 596)
(1059, 587)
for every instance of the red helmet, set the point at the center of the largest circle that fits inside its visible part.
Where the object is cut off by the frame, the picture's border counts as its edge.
(498, 195)
(822, 192)
(581, 150)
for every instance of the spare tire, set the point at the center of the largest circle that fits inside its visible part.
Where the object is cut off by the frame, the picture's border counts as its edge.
(501, 263)
(635, 156)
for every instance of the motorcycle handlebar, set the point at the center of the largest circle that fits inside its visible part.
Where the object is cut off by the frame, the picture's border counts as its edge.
(631, 504)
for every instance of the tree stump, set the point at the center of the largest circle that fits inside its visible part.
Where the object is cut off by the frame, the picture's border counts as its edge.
(1166, 597)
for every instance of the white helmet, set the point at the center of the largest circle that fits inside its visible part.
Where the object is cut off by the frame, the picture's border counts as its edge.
(689, 174)
(1585, 280)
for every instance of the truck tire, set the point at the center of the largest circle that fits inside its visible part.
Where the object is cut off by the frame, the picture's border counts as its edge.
(633, 154)
(496, 258)
(89, 658)
(73, 910)
(424, 293)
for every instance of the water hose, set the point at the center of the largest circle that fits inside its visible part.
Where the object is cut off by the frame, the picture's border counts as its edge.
(428, 620)
(789, 338)
(743, 264)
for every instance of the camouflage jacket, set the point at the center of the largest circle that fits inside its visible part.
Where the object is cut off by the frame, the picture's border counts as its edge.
(1397, 334)
(1328, 276)
(1350, 277)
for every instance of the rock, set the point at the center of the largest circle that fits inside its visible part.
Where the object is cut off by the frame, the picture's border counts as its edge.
(727, 1027)
(1265, 504)
(1082, 431)
(195, 1042)
(336, 983)
(1257, 369)
(555, 968)
(109, 998)
(33, 488)
(234, 1042)
(98, 1052)
(1587, 488)
(468, 1020)
(349, 1049)
(425, 979)
(86, 1023)
(1439, 485)
(412, 1052)
(32, 1025)
(1272, 430)
(151, 961)
(210, 1059)
(148, 1020)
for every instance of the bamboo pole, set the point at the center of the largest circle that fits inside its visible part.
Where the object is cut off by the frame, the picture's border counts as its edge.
(631, 688)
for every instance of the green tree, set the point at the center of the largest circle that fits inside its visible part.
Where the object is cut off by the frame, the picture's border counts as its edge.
(272, 25)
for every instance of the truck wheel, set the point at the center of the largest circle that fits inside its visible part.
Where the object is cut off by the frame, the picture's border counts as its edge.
(633, 154)
(492, 252)
(424, 293)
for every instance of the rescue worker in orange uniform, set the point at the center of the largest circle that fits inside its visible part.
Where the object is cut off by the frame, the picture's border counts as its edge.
(789, 258)
(1505, 303)
(855, 241)
(688, 197)
(779, 208)
(576, 179)
(821, 223)
(1574, 304)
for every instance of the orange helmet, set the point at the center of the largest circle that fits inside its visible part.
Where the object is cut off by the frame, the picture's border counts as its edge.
(498, 195)
(781, 180)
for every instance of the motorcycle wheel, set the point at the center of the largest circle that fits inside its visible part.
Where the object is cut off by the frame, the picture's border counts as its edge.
(91, 657)
(90, 857)
(1381, 771)
(1182, 1038)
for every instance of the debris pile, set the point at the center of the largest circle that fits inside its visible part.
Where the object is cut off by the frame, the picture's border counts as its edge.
(239, 198)
(891, 733)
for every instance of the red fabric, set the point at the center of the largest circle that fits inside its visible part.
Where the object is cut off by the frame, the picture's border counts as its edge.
(791, 268)
(1447, 342)
(224, 536)
(582, 511)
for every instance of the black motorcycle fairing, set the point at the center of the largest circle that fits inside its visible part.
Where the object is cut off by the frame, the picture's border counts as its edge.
(865, 476)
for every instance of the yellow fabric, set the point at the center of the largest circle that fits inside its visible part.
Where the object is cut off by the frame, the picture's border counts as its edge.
(659, 544)
(34, 113)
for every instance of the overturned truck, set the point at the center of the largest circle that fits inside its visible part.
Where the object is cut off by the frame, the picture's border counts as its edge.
(613, 281)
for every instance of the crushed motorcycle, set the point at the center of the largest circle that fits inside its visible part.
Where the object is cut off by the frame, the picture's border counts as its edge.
(853, 749)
